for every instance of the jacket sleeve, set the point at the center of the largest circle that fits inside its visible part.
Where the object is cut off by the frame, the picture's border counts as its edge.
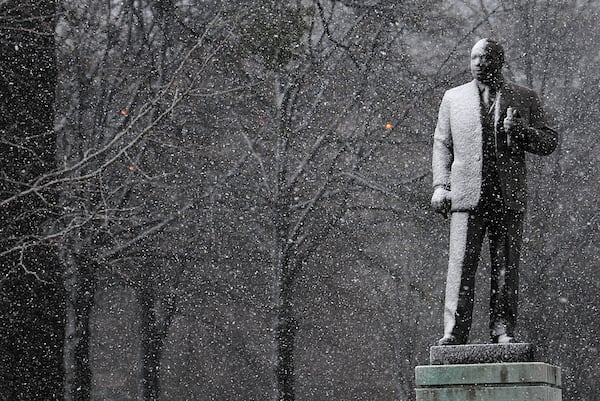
(539, 138)
(443, 154)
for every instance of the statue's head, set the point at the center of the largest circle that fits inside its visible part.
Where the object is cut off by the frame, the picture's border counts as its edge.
(487, 59)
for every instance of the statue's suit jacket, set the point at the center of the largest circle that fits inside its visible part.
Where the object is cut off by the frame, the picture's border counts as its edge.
(457, 145)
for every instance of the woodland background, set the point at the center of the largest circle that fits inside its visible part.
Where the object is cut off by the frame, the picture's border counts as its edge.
(213, 200)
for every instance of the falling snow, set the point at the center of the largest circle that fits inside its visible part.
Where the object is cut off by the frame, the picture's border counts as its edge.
(208, 200)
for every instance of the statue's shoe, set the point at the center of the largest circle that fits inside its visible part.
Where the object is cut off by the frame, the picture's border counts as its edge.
(503, 339)
(449, 340)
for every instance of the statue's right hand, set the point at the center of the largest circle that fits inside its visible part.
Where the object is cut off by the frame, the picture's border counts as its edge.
(440, 201)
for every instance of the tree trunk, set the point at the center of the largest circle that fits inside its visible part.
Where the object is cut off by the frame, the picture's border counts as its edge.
(285, 338)
(152, 342)
(80, 286)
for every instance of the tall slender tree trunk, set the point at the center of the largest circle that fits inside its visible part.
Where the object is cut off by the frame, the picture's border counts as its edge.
(80, 287)
(153, 333)
(528, 19)
(285, 338)
(285, 326)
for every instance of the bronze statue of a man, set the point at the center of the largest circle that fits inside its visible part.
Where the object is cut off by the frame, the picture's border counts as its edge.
(483, 130)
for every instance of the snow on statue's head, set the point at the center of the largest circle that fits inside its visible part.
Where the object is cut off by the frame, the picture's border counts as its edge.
(487, 59)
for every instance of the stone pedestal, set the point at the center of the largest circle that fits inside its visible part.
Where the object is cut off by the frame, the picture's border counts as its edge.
(487, 373)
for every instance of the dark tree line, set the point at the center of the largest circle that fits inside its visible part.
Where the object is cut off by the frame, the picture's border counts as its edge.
(31, 295)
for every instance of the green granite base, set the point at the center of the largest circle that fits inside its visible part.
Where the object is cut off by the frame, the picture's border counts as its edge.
(520, 393)
(521, 381)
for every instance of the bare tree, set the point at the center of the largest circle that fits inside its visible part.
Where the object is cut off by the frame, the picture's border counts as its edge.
(312, 135)
(124, 77)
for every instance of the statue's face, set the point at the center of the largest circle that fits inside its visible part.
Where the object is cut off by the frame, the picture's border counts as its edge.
(486, 62)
